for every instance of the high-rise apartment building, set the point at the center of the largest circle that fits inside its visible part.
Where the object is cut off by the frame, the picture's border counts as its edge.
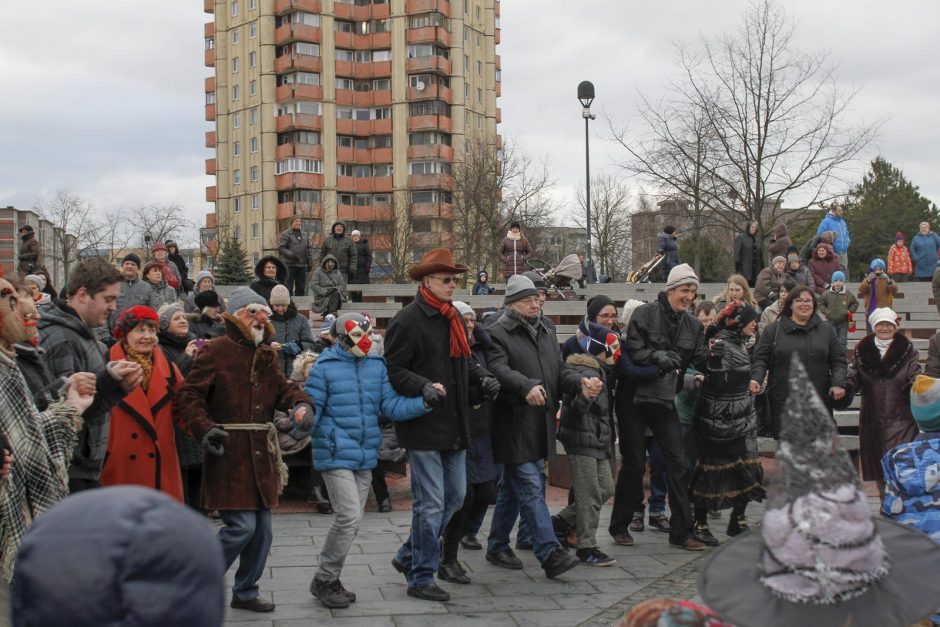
(347, 110)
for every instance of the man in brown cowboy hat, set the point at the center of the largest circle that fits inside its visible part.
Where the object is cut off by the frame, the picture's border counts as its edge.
(428, 354)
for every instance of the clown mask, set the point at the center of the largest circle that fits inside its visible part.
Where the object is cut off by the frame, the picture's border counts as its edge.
(354, 334)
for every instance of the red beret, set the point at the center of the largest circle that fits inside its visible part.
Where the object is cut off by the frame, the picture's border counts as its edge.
(130, 318)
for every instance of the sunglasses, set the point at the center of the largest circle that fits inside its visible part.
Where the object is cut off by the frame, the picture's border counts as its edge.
(446, 280)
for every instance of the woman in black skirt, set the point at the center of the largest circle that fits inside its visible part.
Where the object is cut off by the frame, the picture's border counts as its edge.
(728, 472)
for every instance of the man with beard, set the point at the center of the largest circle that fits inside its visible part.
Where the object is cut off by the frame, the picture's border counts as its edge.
(229, 400)
(67, 332)
(41, 442)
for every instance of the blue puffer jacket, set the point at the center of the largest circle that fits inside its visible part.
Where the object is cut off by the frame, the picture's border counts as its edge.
(349, 393)
(836, 224)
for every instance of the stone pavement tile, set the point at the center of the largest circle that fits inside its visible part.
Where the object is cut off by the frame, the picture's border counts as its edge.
(406, 605)
(500, 604)
(286, 521)
(552, 618)
(306, 572)
(310, 610)
(596, 573)
(457, 591)
(645, 566)
(363, 593)
(301, 549)
(282, 540)
(489, 619)
(546, 587)
(356, 621)
(264, 622)
(296, 559)
(623, 587)
(586, 601)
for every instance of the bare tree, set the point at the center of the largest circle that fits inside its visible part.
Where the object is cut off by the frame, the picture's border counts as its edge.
(610, 224)
(399, 240)
(751, 120)
(160, 222)
(75, 229)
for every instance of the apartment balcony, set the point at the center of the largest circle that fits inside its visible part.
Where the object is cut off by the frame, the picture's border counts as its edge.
(358, 213)
(210, 57)
(362, 128)
(297, 32)
(426, 6)
(210, 193)
(429, 123)
(210, 83)
(431, 92)
(499, 89)
(306, 209)
(299, 180)
(496, 35)
(378, 69)
(308, 151)
(303, 62)
(499, 115)
(434, 63)
(298, 91)
(208, 29)
(364, 185)
(351, 98)
(432, 210)
(210, 139)
(210, 167)
(210, 112)
(431, 181)
(284, 6)
(208, 6)
(363, 155)
(361, 13)
(298, 122)
(431, 151)
(429, 34)
(499, 62)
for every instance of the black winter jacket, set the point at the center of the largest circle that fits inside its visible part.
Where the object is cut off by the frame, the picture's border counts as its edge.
(294, 248)
(263, 285)
(724, 414)
(363, 261)
(748, 255)
(174, 347)
(45, 388)
(343, 248)
(204, 328)
(291, 327)
(587, 427)
(417, 350)
(522, 357)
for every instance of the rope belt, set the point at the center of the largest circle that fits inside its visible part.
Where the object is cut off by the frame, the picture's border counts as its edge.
(273, 448)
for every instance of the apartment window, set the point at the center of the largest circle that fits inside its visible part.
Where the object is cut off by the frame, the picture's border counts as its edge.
(238, 232)
(253, 174)
(252, 5)
(252, 30)
(429, 167)
(381, 84)
(237, 177)
(479, 13)
(466, 34)
(345, 83)
(311, 166)
(466, 7)
(426, 19)
(235, 92)
(299, 195)
(253, 116)
(381, 55)
(382, 113)
(297, 17)
(466, 91)
(382, 169)
(236, 204)
(236, 149)
(345, 199)
(466, 63)
(380, 26)
(479, 122)
(235, 65)
(252, 58)
(252, 88)
(253, 144)
(234, 8)
(344, 141)
(234, 36)
(210, 43)
(479, 95)
(427, 50)
(362, 56)
(303, 78)
(255, 230)
(344, 113)
(429, 107)
(299, 47)
(479, 40)
(237, 119)
(305, 107)
(345, 169)
(479, 68)
(342, 26)
(344, 55)
(381, 141)
(298, 137)
(427, 138)
(256, 201)
(499, 76)
(431, 196)
(466, 119)
(362, 171)
(421, 81)
(210, 97)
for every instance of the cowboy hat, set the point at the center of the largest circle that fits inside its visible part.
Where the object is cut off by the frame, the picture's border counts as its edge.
(437, 260)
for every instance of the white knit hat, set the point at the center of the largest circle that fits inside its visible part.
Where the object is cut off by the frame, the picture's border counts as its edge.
(628, 308)
(464, 308)
(883, 314)
(280, 295)
(683, 274)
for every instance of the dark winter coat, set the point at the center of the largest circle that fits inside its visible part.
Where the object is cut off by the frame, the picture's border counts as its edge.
(161, 294)
(806, 253)
(480, 465)
(724, 417)
(343, 248)
(288, 329)
(884, 419)
(521, 357)
(326, 283)
(822, 268)
(780, 242)
(767, 285)
(482, 289)
(294, 248)
(72, 347)
(587, 426)
(802, 276)
(668, 246)
(204, 328)
(924, 254)
(181, 267)
(189, 306)
(363, 262)
(174, 348)
(45, 389)
(417, 349)
(234, 382)
(513, 255)
(816, 345)
(932, 367)
(263, 285)
(748, 255)
(28, 255)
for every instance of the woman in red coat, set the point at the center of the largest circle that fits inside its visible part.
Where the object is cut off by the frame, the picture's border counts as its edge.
(141, 444)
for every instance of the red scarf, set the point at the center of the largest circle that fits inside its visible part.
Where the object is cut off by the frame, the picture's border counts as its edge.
(169, 275)
(459, 347)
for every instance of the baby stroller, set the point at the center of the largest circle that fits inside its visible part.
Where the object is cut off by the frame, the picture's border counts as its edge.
(643, 274)
(558, 279)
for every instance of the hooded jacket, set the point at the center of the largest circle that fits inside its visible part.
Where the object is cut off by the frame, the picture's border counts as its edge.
(837, 225)
(263, 285)
(924, 254)
(822, 268)
(513, 253)
(203, 327)
(342, 248)
(806, 253)
(780, 242)
(291, 328)
(73, 347)
(480, 288)
(587, 427)
(801, 275)
(667, 245)
(911, 487)
(294, 248)
(349, 394)
(326, 282)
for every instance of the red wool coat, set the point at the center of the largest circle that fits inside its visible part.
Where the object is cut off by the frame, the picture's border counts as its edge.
(141, 444)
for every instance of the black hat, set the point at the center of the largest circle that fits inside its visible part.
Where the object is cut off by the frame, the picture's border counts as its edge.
(132, 258)
(515, 225)
(207, 298)
(28, 228)
(595, 304)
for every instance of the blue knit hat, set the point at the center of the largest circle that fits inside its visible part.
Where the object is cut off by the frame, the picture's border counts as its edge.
(838, 275)
(878, 263)
(925, 402)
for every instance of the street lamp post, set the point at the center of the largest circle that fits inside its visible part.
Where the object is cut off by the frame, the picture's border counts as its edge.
(586, 97)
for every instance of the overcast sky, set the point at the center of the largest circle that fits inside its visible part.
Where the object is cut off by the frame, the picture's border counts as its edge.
(105, 98)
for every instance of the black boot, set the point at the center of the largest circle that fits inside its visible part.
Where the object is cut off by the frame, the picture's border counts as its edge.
(320, 499)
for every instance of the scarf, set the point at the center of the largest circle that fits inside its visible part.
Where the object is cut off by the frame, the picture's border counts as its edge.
(459, 347)
(883, 345)
(513, 236)
(169, 276)
(145, 361)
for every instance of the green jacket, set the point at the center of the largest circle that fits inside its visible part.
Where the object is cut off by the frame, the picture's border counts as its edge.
(837, 305)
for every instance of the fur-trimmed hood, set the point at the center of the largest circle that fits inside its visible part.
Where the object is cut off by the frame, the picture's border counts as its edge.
(895, 357)
(583, 359)
(281, 269)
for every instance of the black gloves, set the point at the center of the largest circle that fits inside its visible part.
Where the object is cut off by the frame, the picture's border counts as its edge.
(432, 396)
(490, 387)
(666, 360)
(214, 441)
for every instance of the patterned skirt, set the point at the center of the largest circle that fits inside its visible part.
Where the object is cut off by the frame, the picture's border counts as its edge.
(723, 482)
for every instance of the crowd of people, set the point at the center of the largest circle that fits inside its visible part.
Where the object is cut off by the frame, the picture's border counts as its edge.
(134, 375)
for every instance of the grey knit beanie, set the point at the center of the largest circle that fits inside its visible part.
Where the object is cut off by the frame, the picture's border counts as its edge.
(166, 313)
(244, 296)
(683, 274)
(279, 296)
(519, 287)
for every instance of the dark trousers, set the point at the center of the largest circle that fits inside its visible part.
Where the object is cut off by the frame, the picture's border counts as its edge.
(297, 280)
(379, 487)
(192, 487)
(479, 496)
(78, 485)
(663, 421)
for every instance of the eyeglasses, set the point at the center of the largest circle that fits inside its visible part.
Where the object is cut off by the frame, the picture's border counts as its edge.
(254, 309)
(804, 301)
(446, 280)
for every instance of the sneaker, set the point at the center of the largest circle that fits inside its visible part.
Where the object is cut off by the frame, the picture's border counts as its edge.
(659, 522)
(558, 561)
(505, 559)
(471, 543)
(452, 572)
(704, 535)
(636, 524)
(623, 539)
(594, 557)
(690, 544)
(523, 546)
(329, 593)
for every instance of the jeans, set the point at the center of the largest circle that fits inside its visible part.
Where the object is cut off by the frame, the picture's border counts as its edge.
(664, 423)
(842, 333)
(658, 489)
(438, 488)
(524, 536)
(593, 485)
(348, 490)
(521, 490)
(247, 537)
(474, 507)
(297, 280)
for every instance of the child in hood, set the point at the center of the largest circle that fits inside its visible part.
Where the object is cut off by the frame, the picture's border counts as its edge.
(878, 289)
(900, 265)
(482, 286)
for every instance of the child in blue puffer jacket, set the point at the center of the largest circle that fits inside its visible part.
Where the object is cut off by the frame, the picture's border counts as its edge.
(350, 389)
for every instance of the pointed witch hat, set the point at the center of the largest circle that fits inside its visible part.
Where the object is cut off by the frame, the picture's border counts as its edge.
(820, 558)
